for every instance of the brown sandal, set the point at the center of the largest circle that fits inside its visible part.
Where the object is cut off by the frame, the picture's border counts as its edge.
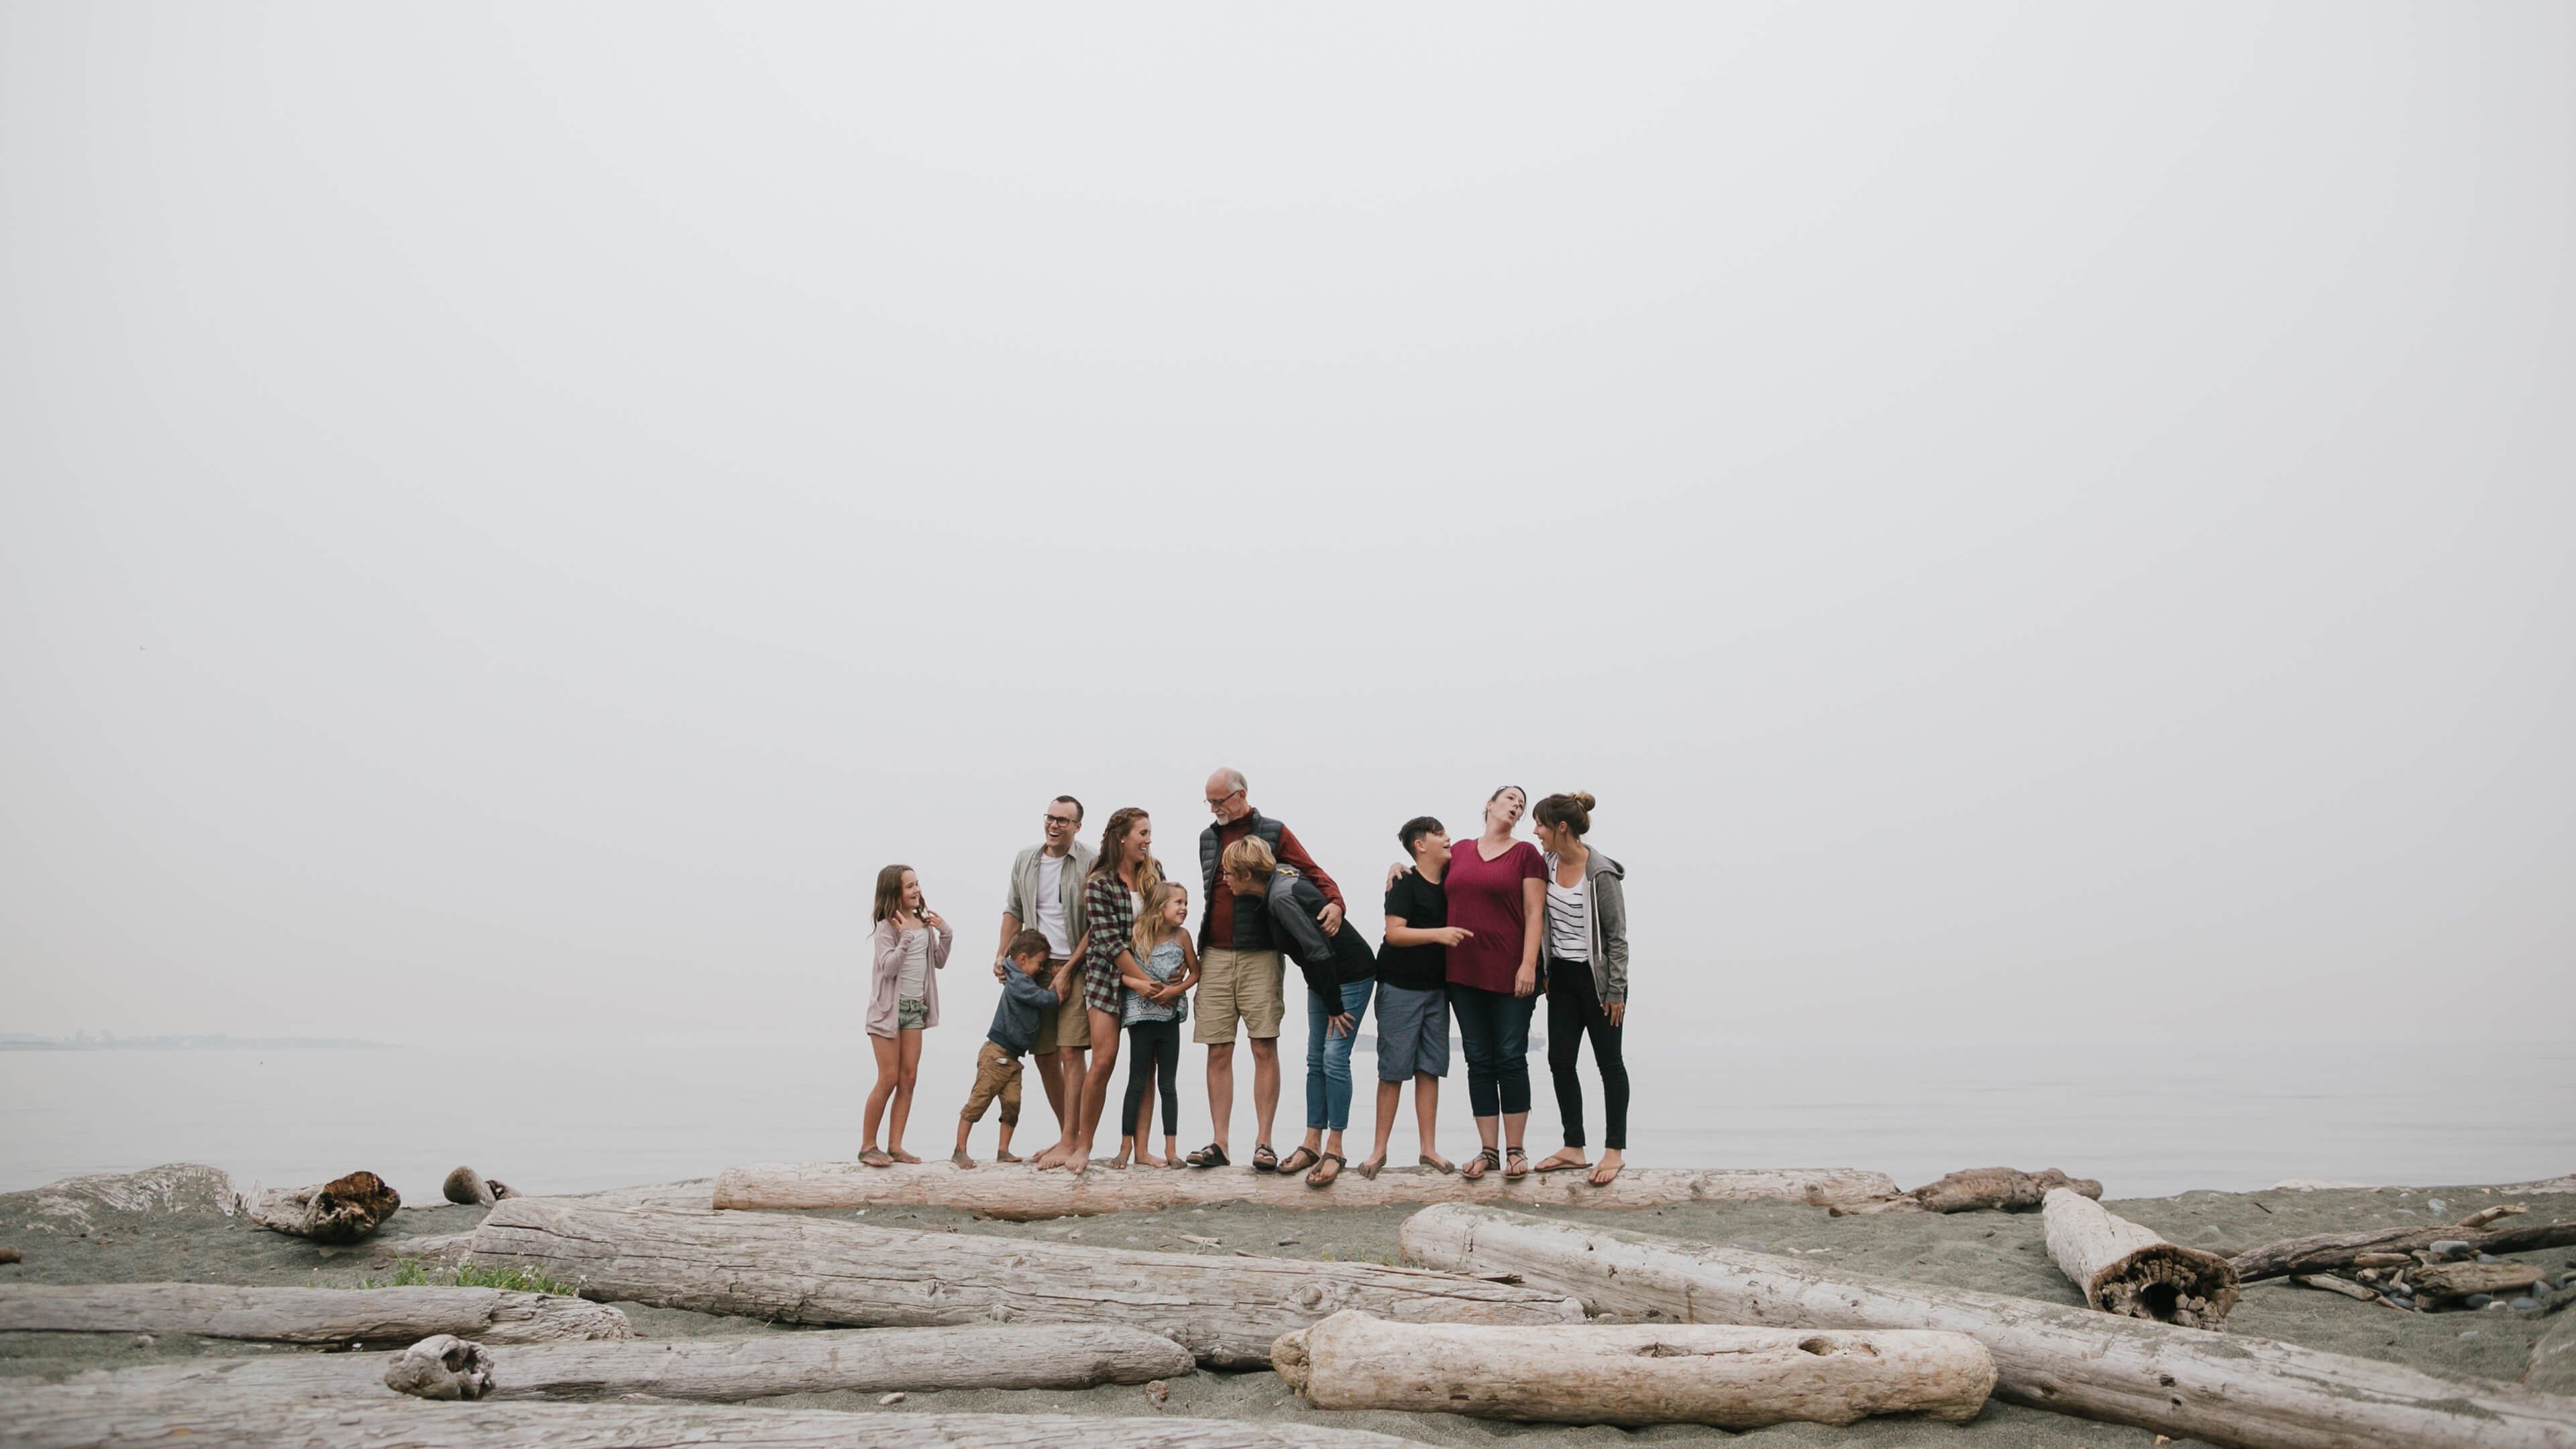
(1519, 1166)
(1320, 1178)
(1483, 1162)
(1297, 1161)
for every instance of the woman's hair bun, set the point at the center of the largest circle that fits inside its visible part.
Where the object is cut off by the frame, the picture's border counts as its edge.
(1585, 800)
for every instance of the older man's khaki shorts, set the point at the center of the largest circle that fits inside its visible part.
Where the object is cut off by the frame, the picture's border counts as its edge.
(1069, 1025)
(1238, 986)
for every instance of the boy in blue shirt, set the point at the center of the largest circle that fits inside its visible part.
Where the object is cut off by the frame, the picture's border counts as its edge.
(1025, 1002)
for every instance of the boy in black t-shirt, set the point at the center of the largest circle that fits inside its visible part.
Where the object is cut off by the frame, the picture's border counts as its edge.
(1413, 993)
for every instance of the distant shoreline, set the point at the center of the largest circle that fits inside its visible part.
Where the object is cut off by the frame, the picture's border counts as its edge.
(87, 1042)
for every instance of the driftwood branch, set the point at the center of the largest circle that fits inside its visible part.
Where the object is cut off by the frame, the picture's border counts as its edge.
(1734, 1378)
(1998, 1187)
(2126, 1269)
(730, 1370)
(305, 1315)
(2248, 1393)
(342, 1210)
(1023, 1194)
(2331, 1252)
(799, 1269)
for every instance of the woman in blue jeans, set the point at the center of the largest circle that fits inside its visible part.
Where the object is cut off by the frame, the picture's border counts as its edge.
(1341, 975)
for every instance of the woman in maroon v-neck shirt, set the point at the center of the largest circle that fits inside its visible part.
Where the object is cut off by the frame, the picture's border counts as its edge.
(1497, 889)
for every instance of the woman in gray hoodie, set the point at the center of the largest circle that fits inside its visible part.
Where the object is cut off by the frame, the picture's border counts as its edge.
(1585, 950)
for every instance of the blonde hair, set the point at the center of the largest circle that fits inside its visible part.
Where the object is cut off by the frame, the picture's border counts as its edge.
(1249, 856)
(1149, 931)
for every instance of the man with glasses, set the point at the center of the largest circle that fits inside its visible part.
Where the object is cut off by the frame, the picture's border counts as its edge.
(1240, 967)
(1046, 897)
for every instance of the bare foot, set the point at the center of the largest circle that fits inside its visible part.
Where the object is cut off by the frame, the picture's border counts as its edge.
(1079, 1160)
(1438, 1163)
(875, 1157)
(1372, 1167)
(899, 1155)
(1007, 1155)
(960, 1159)
(1563, 1159)
(1052, 1157)
(1147, 1159)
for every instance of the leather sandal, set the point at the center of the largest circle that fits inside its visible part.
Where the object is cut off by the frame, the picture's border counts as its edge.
(1519, 1165)
(1483, 1162)
(1263, 1159)
(1297, 1161)
(1319, 1177)
(1210, 1156)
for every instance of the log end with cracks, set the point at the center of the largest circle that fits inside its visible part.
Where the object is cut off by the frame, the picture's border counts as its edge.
(2168, 1283)
(440, 1367)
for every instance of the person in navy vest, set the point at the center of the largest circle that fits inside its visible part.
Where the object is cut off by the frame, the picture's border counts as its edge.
(1241, 973)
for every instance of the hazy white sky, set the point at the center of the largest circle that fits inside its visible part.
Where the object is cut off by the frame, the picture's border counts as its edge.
(2030, 518)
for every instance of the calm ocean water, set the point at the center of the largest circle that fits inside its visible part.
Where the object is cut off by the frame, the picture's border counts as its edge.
(585, 1114)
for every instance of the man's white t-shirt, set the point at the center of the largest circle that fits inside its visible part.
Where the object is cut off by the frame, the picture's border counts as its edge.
(1050, 905)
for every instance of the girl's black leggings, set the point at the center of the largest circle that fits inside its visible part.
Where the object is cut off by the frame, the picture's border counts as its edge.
(1573, 1012)
(1153, 1046)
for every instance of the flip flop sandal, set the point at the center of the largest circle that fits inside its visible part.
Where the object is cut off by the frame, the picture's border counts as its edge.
(1296, 1162)
(1210, 1156)
(1437, 1164)
(1263, 1159)
(1552, 1165)
(1519, 1165)
(1599, 1181)
(1313, 1179)
(1486, 1161)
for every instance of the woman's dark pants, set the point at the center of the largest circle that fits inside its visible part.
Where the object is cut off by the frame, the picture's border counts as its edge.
(1573, 1011)
(1493, 1031)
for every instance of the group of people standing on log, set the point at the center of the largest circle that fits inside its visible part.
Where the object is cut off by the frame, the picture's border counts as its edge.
(1095, 946)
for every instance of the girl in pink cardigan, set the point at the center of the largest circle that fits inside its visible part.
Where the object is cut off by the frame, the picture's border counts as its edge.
(911, 946)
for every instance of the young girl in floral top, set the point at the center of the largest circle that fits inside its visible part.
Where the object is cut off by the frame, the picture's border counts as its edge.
(1154, 1013)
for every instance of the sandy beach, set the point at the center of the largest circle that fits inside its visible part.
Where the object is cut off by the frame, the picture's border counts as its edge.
(1993, 1251)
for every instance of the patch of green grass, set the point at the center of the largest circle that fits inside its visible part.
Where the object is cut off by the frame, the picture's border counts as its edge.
(415, 1274)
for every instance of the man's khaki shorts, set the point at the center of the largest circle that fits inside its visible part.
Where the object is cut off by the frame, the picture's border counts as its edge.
(1238, 986)
(1069, 1025)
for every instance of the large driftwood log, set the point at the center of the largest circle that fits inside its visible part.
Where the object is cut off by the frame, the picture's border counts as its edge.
(2461, 1280)
(799, 1269)
(1734, 1378)
(2330, 1252)
(305, 1315)
(2245, 1392)
(342, 1210)
(729, 1370)
(2125, 1269)
(1023, 1194)
(95, 1412)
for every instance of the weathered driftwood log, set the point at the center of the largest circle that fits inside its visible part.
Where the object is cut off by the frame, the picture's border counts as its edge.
(305, 1315)
(342, 1210)
(2125, 1269)
(872, 1360)
(2245, 1392)
(800, 1269)
(2332, 1284)
(1734, 1378)
(1997, 1187)
(2553, 1358)
(2484, 1216)
(1023, 1194)
(2460, 1280)
(468, 1188)
(2329, 1252)
(95, 1413)
(75, 1204)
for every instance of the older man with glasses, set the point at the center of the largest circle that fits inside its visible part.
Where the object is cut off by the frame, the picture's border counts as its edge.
(1046, 897)
(1240, 968)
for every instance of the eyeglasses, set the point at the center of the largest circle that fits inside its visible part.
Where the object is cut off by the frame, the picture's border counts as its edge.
(1218, 802)
(1067, 821)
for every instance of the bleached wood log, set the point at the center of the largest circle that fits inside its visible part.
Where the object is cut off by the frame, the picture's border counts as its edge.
(305, 1315)
(729, 1370)
(2006, 1188)
(93, 1412)
(2328, 1252)
(1018, 1193)
(2244, 1392)
(799, 1269)
(2126, 1269)
(467, 1188)
(2332, 1284)
(1734, 1378)
(342, 1210)
(2553, 1358)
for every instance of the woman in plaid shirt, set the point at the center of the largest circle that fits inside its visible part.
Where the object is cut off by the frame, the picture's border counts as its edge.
(1111, 897)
